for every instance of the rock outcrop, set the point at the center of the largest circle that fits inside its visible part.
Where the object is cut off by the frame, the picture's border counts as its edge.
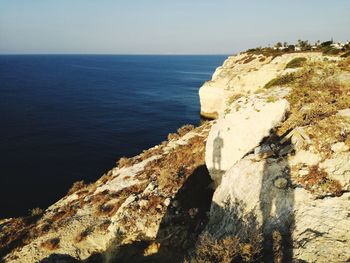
(284, 182)
(244, 73)
(241, 130)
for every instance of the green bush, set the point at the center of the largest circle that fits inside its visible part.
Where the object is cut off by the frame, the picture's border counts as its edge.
(281, 80)
(328, 50)
(296, 62)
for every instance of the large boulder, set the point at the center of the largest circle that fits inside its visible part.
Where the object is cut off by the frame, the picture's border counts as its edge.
(261, 193)
(240, 131)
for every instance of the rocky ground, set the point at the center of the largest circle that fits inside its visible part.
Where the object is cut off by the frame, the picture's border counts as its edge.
(279, 153)
(277, 156)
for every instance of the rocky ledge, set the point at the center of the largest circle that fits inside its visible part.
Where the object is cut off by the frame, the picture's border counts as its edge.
(267, 181)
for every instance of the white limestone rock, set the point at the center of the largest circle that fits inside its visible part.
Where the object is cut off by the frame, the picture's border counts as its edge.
(338, 168)
(243, 73)
(318, 229)
(305, 158)
(340, 147)
(239, 132)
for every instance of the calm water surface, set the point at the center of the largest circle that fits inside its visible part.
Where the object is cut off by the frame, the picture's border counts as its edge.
(71, 117)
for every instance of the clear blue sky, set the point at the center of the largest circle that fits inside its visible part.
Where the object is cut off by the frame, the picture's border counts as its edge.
(166, 26)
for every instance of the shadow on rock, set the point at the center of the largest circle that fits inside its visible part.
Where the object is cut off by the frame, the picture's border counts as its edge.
(184, 220)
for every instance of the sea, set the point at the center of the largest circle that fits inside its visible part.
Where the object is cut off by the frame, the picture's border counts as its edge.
(66, 118)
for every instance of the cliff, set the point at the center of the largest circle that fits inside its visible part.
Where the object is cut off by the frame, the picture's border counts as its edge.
(267, 180)
(279, 153)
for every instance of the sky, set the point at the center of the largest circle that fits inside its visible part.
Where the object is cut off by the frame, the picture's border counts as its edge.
(165, 26)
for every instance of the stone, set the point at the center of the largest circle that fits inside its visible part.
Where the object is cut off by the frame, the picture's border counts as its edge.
(225, 146)
(143, 203)
(338, 168)
(303, 172)
(344, 113)
(281, 183)
(340, 147)
(306, 158)
(167, 202)
(247, 202)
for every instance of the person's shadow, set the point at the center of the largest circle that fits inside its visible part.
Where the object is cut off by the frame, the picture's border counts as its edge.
(216, 170)
(277, 204)
(217, 148)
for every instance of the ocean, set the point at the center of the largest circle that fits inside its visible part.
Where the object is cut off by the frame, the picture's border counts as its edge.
(66, 118)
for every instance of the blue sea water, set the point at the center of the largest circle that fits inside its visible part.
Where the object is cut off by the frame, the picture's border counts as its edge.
(71, 117)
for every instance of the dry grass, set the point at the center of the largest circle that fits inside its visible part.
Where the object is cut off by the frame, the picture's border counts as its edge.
(345, 64)
(328, 131)
(125, 162)
(233, 98)
(225, 250)
(249, 59)
(185, 129)
(76, 187)
(51, 244)
(83, 235)
(271, 99)
(36, 212)
(104, 225)
(345, 55)
(65, 213)
(318, 182)
(316, 94)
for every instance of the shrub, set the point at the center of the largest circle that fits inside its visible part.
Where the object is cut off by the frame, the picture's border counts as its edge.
(326, 43)
(249, 59)
(345, 55)
(330, 51)
(185, 129)
(317, 179)
(271, 99)
(226, 249)
(124, 162)
(83, 235)
(233, 98)
(76, 186)
(36, 212)
(296, 62)
(281, 80)
(51, 244)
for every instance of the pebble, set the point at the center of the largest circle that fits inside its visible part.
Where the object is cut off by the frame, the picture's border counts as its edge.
(167, 202)
(281, 183)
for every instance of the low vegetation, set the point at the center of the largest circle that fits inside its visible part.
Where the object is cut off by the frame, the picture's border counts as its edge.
(327, 48)
(296, 62)
(76, 187)
(225, 250)
(318, 182)
(83, 235)
(281, 80)
(317, 93)
(51, 244)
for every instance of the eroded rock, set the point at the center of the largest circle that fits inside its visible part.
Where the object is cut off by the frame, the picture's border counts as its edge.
(239, 132)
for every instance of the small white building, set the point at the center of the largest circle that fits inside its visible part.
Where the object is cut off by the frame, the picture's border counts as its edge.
(337, 45)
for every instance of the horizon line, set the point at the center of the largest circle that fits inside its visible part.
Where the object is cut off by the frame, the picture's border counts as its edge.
(124, 54)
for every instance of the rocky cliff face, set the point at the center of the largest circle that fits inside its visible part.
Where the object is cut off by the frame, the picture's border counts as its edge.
(277, 156)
